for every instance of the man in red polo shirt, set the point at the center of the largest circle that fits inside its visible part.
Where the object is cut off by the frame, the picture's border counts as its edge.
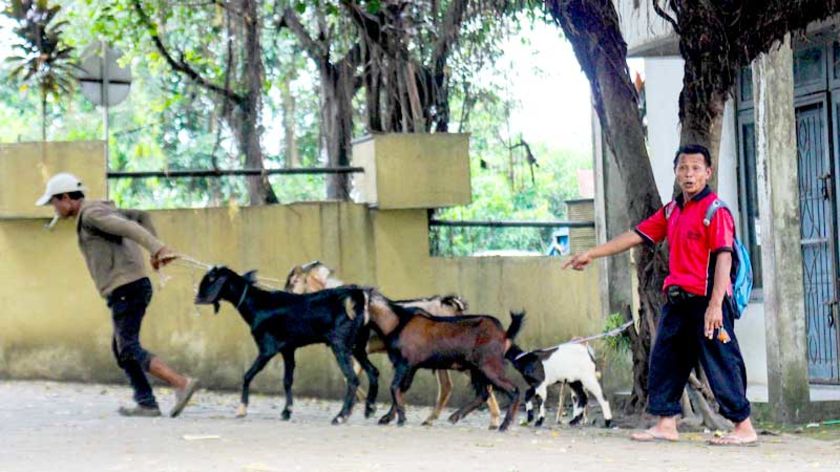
(697, 320)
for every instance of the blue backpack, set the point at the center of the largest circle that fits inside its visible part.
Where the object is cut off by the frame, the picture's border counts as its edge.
(742, 274)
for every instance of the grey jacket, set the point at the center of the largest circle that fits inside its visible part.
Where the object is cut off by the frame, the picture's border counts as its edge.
(110, 240)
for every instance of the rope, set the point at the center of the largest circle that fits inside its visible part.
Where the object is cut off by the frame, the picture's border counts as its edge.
(607, 334)
(188, 262)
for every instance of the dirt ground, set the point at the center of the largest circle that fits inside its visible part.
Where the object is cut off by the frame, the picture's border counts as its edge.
(46, 426)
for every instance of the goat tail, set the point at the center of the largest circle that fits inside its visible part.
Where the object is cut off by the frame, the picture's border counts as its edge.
(516, 322)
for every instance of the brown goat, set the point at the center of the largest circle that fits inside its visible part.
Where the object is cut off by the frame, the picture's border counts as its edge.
(473, 343)
(315, 276)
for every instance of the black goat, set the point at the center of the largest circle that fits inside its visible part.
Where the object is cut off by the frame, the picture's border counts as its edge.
(281, 322)
(475, 343)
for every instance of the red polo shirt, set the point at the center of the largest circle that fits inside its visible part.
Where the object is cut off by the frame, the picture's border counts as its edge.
(692, 246)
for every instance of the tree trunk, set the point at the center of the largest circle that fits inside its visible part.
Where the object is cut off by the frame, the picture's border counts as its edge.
(337, 122)
(701, 121)
(592, 28)
(292, 156)
(44, 117)
(259, 189)
(250, 111)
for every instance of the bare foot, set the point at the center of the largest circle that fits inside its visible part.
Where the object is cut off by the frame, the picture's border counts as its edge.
(742, 435)
(653, 434)
(664, 430)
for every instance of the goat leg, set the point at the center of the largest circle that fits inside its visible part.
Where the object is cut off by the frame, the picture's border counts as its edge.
(404, 386)
(579, 402)
(560, 405)
(444, 392)
(494, 373)
(529, 404)
(258, 365)
(468, 408)
(360, 392)
(288, 378)
(493, 406)
(540, 394)
(360, 355)
(346, 365)
(400, 371)
(591, 384)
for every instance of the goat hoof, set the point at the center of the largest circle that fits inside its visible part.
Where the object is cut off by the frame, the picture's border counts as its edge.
(428, 423)
(493, 427)
(286, 415)
(242, 411)
(369, 410)
(576, 421)
(385, 420)
(340, 419)
(454, 418)
(539, 423)
(607, 423)
(503, 428)
(401, 422)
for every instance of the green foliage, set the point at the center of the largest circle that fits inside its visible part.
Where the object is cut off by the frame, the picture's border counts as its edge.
(43, 60)
(167, 122)
(620, 343)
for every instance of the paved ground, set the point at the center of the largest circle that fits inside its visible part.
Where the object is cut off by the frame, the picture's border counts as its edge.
(47, 426)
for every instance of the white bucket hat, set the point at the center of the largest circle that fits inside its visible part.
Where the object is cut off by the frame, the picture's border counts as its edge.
(59, 184)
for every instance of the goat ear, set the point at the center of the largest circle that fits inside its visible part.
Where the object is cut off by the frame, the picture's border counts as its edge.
(250, 277)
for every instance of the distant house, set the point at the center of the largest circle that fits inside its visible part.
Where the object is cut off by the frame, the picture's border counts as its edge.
(783, 193)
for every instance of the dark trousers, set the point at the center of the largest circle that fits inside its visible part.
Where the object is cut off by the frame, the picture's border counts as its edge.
(128, 305)
(680, 341)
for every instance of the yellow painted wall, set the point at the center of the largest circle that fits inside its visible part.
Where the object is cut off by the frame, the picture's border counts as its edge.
(26, 167)
(413, 170)
(53, 324)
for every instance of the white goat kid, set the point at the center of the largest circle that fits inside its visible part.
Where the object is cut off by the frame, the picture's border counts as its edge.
(573, 364)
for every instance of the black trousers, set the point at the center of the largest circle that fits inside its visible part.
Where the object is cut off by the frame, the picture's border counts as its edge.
(128, 306)
(679, 343)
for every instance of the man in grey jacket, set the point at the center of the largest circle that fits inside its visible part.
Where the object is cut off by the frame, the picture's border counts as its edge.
(110, 240)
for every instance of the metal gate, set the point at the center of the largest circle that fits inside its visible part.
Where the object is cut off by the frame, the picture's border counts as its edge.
(817, 217)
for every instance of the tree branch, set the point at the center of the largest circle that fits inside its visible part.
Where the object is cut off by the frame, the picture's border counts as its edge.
(314, 49)
(665, 16)
(450, 29)
(181, 65)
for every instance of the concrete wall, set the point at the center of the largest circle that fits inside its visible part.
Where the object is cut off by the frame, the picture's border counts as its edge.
(53, 325)
(26, 167)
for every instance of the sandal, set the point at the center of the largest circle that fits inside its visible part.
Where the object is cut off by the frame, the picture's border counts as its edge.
(650, 436)
(730, 440)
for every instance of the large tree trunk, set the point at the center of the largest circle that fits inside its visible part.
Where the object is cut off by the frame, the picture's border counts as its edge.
(292, 155)
(592, 28)
(250, 111)
(337, 122)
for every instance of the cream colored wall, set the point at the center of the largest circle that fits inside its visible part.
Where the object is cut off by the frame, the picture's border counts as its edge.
(53, 324)
(26, 167)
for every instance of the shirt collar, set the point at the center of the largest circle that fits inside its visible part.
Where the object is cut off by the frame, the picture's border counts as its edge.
(703, 193)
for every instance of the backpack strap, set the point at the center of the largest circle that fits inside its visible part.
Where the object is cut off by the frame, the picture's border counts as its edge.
(710, 212)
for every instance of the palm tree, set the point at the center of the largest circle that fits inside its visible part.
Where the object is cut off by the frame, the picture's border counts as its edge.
(42, 59)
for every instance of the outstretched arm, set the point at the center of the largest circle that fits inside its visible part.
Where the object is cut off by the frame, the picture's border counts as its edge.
(614, 246)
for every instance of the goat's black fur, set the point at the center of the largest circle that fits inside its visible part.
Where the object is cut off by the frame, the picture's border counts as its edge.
(281, 322)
